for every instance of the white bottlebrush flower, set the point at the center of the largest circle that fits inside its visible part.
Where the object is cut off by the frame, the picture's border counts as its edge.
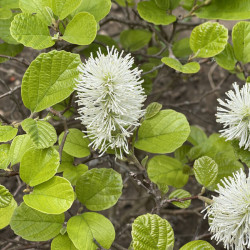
(229, 214)
(235, 115)
(110, 96)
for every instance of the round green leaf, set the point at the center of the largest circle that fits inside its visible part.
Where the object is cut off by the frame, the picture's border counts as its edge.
(181, 48)
(163, 133)
(62, 242)
(197, 136)
(5, 13)
(24, 29)
(50, 78)
(99, 189)
(6, 213)
(225, 10)
(167, 170)
(243, 155)
(93, 7)
(149, 11)
(179, 194)
(12, 4)
(66, 162)
(5, 31)
(152, 110)
(197, 245)
(33, 225)
(81, 29)
(208, 39)
(163, 4)
(39, 165)
(5, 197)
(38, 7)
(4, 156)
(41, 133)
(226, 59)
(205, 170)
(188, 68)
(7, 133)
(9, 50)
(54, 196)
(72, 173)
(76, 143)
(83, 229)
(19, 146)
(150, 231)
(241, 41)
(62, 8)
(135, 39)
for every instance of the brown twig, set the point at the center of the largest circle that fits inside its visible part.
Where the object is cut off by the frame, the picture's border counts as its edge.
(10, 92)
(21, 60)
(9, 173)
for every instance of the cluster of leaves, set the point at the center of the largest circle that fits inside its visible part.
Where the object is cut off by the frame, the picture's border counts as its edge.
(45, 160)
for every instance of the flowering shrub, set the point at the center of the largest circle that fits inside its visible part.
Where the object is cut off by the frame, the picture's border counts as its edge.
(86, 128)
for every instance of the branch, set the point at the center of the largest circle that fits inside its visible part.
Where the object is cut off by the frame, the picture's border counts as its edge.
(21, 60)
(153, 69)
(9, 174)
(10, 92)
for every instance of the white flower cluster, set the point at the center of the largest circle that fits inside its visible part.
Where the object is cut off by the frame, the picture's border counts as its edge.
(235, 115)
(229, 215)
(110, 96)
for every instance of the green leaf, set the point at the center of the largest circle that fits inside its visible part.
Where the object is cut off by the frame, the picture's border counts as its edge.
(73, 173)
(76, 143)
(5, 197)
(197, 135)
(149, 11)
(54, 196)
(99, 189)
(188, 68)
(38, 7)
(19, 146)
(33, 225)
(208, 39)
(163, 133)
(93, 7)
(226, 59)
(41, 133)
(12, 4)
(226, 168)
(66, 162)
(5, 13)
(4, 156)
(179, 194)
(49, 79)
(81, 29)
(150, 231)
(205, 170)
(62, 8)
(6, 213)
(181, 48)
(225, 10)
(181, 153)
(7, 133)
(83, 229)
(24, 29)
(134, 40)
(62, 242)
(94, 48)
(39, 165)
(152, 110)
(5, 31)
(243, 155)
(163, 4)
(241, 41)
(9, 50)
(167, 170)
(196, 245)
